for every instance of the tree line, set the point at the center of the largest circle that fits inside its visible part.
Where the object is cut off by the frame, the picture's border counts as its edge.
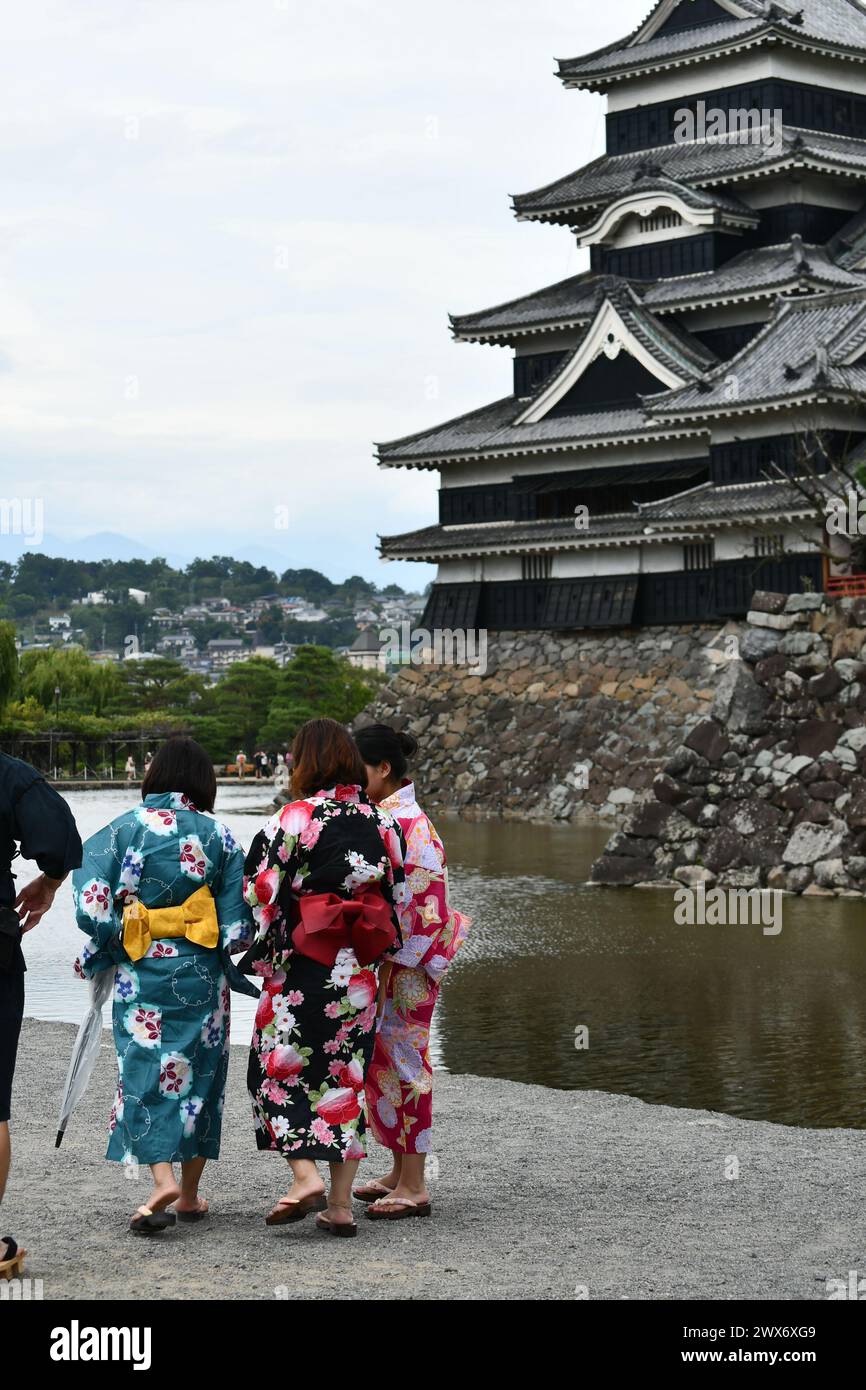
(42, 581)
(256, 704)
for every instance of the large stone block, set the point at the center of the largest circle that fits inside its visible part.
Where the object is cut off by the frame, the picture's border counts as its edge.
(709, 740)
(740, 704)
(825, 685)
(811, 842)
(757, 644)
(765, 602)
(777, 622)
(725, 849)
(815, 736)
(621, 870)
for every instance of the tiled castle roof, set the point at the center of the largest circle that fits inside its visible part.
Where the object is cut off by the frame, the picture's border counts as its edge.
(563, 305)
(848, 246)
(762, 272)
(813, 347)
(495, 428)
(767, 270)
(837, 25)
(703, 162)
(688, 514)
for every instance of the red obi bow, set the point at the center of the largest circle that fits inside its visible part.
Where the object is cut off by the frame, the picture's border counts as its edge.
(328, 924)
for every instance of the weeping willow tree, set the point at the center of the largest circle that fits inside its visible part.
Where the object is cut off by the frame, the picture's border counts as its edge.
(8, 664)
(85, 686)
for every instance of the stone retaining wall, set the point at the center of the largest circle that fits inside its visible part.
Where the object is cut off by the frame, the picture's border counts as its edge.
(558, 726)
(768, 790)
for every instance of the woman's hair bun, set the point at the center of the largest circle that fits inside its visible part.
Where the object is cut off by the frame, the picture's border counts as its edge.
(380, 743)
(408, 744)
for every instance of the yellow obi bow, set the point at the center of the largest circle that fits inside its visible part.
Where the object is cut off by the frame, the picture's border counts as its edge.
(196, 919)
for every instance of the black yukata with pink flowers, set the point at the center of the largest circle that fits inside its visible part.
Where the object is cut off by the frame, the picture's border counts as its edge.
(316, 1022)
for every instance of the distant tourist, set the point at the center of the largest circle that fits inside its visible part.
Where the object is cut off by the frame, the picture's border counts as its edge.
(399, 1086)
(261, 762)
(130, 768)
(160, 894)
(36, 823)
(241, 762)
(325, 881)
(148, 759)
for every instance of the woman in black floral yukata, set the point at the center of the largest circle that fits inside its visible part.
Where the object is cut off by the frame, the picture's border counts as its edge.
(326, 886)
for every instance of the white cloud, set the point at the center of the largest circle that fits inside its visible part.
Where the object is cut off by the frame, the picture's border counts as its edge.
(231, 235)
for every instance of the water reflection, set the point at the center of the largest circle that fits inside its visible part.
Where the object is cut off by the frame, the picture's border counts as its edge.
(722, 1018)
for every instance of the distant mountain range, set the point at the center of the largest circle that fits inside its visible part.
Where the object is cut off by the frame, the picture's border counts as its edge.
(110, 545)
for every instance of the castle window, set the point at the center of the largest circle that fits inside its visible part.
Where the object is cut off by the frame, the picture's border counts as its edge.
(699, 556)
(537, 566)
(771, 544)
(661, 221)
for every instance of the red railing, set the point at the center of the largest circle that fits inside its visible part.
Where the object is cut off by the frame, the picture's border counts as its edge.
(846, 585)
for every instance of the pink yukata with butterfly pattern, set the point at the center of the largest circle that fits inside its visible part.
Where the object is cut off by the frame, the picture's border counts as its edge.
(399, 1084)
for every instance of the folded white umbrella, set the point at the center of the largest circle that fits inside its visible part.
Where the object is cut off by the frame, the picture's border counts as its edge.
(86, 1049)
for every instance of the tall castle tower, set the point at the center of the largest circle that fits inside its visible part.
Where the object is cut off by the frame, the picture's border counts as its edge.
(631, 475)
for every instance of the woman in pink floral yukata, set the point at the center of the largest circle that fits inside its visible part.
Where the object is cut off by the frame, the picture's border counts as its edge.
(399, 1084)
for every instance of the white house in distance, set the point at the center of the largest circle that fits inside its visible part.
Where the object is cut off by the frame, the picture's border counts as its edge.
(640, 467)
(367, 652)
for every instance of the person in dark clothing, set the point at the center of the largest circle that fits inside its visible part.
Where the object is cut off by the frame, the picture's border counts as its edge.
(36, 823)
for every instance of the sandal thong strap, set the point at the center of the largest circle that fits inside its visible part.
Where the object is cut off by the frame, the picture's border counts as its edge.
(11, 1248)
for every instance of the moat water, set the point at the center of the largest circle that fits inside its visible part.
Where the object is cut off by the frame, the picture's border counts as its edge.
(723, 1018)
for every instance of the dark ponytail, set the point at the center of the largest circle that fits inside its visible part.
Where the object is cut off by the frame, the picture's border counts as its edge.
(379, 743)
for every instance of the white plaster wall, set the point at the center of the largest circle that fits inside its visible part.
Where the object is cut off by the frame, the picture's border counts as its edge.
(739, 544)
(458, 571)
(500, 567)
(631, 233)
(829, 191)
(736, 69)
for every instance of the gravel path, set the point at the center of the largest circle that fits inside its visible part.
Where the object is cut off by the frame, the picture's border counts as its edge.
(540, 1194)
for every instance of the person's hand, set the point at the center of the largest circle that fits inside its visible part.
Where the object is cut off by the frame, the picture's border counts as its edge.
(35, 899)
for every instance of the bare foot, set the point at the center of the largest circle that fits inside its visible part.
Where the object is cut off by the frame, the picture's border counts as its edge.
(191, 1204)
(419, 1197)
(335, 1214)
(305, 1187)
(162, 1196)
(372, 1187)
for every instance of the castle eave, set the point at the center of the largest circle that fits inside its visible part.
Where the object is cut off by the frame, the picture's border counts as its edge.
(711, 162)
(832, 28)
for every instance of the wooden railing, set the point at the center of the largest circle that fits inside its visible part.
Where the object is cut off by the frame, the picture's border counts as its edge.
(845, 585)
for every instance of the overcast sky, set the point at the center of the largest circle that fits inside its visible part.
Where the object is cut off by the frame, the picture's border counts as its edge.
(230, 237)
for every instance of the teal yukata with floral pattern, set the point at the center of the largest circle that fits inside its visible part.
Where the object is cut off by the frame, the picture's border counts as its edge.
(171, 1008)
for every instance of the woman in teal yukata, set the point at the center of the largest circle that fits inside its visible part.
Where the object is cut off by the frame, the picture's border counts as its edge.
(160, 894)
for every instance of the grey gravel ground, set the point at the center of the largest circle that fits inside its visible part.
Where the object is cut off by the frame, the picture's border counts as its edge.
(540, 1194)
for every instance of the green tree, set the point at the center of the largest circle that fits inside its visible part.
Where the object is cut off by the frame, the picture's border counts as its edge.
(306, 583)
(8, 664)
(270, 624)
(242, 699)
(159, 683)
(317, 684)
(84, 685)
